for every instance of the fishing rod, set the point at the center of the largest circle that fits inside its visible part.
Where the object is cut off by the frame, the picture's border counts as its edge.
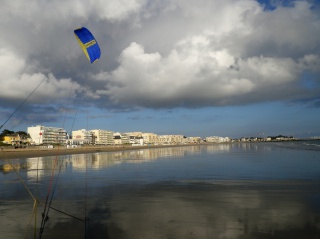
(86, 218)
(37, 202)
(47, 205)
(46, 209)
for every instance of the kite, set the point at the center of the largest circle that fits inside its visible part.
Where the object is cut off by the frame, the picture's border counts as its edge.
(88, 44)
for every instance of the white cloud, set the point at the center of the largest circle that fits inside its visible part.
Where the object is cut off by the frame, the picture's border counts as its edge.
(10, 65)
(196, 75)
(33, 11)
(238, 55)
(184, 53)
(18, 81)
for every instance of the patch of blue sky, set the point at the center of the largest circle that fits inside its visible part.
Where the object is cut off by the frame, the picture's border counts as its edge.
(271, 5)
(235, 121)
(309, 80)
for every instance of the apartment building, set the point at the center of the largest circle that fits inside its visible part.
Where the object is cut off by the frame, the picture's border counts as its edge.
(121, 138)
(150, 138)
(135, 134)
(193, 140)
(102, 137)
(136, 140)
(125, 138)
(217, 139)
(47, 135)
(82, 136)
(170, 139)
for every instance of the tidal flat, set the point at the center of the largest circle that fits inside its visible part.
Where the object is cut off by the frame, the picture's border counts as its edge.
(254, 190)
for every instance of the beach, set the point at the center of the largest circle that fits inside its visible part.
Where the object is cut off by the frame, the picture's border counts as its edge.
(237, 190)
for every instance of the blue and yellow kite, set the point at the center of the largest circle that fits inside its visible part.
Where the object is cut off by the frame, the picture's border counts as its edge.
(88, 44)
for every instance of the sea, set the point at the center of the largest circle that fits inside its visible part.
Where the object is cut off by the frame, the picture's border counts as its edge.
(233, 190)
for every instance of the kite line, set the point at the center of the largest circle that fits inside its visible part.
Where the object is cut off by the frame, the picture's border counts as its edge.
(22, 103)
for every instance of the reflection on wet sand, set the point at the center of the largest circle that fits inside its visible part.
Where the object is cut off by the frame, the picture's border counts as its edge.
(209, 211)
(195, 210)
(100, 160)
(188, 200)
(213, 211)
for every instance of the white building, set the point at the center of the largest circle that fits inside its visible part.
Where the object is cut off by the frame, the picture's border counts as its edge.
(125, 138)
(103, 137)
(47, 135)
(121, 138)
(136, 140)
(150, 138)
(217, 139)
(170, 139)
(82, 136)
(193, 140)
(136, 134)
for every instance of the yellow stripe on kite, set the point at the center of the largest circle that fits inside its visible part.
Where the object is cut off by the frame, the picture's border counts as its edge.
(83, 47)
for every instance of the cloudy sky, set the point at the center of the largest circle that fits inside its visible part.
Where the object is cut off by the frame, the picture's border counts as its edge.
(198, 68)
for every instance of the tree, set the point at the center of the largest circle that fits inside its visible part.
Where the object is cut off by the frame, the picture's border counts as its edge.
(23, 134)
(6, 132)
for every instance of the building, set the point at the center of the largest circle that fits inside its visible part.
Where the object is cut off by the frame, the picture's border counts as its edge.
(136, 140)
(217, 139)
(42, 135)
(13, 139)
(193, 140)
(117, 139)
(125, 138)
(150, 138)
(82, 136)
(121, 138)
(135, 134)
(102, 137)
(170, 139)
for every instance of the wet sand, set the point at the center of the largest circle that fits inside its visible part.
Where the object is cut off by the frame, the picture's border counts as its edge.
(11, 153)
(232, 192)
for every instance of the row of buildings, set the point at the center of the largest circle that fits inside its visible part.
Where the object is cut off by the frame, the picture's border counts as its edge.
(42, 135)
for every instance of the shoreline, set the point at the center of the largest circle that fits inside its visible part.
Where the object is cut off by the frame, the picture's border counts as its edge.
(29, 152)
(11, 153)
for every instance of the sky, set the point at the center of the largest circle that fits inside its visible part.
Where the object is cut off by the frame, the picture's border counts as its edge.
(196, 68)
